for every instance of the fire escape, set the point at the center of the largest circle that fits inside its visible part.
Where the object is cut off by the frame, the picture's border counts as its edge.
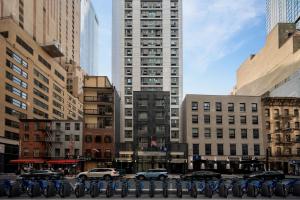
(52, 137)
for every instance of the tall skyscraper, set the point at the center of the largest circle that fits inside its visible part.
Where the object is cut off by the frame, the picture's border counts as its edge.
(89, 34)
(147, 57)
(54, 24)
(282, 11)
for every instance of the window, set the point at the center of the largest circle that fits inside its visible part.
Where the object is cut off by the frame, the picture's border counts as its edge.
(242, 107)
(194, 106)
(276, 113)
(44, 62)
(232, 133)
(40, 85)
(16, 102)
(195, 149)
(267, 112)
(40, 104)
(175, 134)
(218, 106)
(26, 137)
(219, 119)
(206, 119)
(243, 120)
(67, 126)
(207, 149)
(207, 133)
(57, 152)
(59, 75)
(98, 139)
(219, 133)
(142, 116)
(231, 119)
(195, 119)
(256, 149)
(244, 133)
(232, 149)
(128, 134)
(286, 112)
(174, 112)
(107, 139)
(16, 69)
(206, 106)
(67, 137)
(23, 44)
(230, 107)
(16, 80)
(220, 149)
(12, 123)
(195, 132)
(128, 112)
(41, 76)
(255, 119)
(296, 113)
(128, 123)
(16, 57)
(77, 126)
(245, 149)
(88, 138)
(77, 138)
(268, 125)
(254, 107)
(15, 91)
(255, 133)
(297, 125)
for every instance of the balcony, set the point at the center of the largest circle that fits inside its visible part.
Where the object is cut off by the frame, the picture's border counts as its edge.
(98, 126)
(283, 142)
(53, 49)
(97, 112)
(98, 99)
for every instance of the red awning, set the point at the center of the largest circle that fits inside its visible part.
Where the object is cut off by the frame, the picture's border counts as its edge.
(25, 161)
(63, 162)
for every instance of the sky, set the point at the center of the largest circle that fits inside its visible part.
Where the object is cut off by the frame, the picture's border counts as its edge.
(218, 35)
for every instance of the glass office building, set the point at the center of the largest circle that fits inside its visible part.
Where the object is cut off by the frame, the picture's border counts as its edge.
(282, 11)
(89, 34)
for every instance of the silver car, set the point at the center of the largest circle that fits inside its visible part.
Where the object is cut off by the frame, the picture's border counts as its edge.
(159, 174)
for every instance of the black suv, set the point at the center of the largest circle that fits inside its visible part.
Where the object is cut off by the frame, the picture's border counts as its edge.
(201, 175)
(265, 175)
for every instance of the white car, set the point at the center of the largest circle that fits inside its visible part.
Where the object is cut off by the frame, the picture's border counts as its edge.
(106, 173)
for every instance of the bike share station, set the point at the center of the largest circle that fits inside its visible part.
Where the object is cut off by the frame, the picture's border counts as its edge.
(135, 188)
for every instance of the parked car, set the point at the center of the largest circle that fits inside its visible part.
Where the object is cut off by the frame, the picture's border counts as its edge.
(106, 173)
(160, 174)
(266, 175)
(42, 174)
(201, 175)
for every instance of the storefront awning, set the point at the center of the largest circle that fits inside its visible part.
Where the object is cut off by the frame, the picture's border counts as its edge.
(63, 162)
(27, 161)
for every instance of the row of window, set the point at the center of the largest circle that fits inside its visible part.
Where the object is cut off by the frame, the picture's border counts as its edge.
(16, 57)
(68, 126)
(41, 76)
(16, 102)
(98, 139)
(15, 91)
(219, 119)
(218, 107)
(15, 113)
(219, 133)
(232, 151)
(16, 80)
(285, 125)
(286, 112)
(16, 69)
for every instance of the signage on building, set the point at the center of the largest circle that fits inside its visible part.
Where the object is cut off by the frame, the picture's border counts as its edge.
(233, 158)
(246, 157)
